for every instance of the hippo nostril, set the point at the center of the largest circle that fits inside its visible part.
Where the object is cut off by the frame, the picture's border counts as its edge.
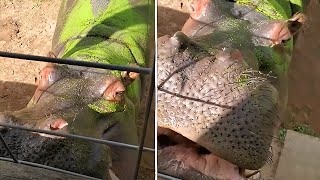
(119, 93)
(115, 91)
(58, 124)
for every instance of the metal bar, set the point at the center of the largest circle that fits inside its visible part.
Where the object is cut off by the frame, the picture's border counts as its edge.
(167, 176)
(146, 118)
(73, 136)
(8, 149)
(76, 62)
(50, 168)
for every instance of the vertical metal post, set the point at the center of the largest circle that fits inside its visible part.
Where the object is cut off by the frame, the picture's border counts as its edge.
(146, 118)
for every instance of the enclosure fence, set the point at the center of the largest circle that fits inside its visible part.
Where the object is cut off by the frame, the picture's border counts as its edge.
(140, 148)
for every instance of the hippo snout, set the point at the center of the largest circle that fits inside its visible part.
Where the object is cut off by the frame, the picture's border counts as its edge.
(220, 103)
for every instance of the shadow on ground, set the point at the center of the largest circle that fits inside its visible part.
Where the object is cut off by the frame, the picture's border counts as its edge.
(15, 95)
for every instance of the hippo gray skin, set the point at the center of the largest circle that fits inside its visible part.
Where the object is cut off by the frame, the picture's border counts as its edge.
(86, 101)
(222, 88)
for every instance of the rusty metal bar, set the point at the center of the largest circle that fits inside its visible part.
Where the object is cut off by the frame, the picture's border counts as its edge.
(146, 118)
(167, 176)
(75, 62)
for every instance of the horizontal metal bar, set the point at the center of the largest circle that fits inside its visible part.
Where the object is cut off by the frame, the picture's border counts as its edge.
(76, 62)
(167, 176)
(73, 136)
(49, 168)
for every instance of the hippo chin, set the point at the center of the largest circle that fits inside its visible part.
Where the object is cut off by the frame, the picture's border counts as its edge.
(221, 89)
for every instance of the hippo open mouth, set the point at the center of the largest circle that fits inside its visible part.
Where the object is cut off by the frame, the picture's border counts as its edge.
(188, 160)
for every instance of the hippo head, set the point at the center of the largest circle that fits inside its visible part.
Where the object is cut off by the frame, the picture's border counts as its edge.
(221, 89)
(68, 98)
(75, 100)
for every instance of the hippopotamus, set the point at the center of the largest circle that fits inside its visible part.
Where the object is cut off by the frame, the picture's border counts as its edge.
(97, 103)
(222, 88)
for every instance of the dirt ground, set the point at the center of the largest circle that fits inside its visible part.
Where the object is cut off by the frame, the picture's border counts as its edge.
(304, 71)
(26, 27)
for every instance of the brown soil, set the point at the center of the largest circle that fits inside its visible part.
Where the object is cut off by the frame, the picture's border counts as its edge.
(304, 71)
(26, 26)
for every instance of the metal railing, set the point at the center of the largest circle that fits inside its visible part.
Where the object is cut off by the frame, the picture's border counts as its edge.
(140, 148)
(164, 176)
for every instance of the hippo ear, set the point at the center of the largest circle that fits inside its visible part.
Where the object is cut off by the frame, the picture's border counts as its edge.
(295, 23)
(58, 124)
(129, 77)
(51, 54)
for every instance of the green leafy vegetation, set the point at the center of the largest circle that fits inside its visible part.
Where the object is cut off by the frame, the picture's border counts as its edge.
(301, 128)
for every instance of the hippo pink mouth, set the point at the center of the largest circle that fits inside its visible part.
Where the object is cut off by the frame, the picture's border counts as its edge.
(187, 155)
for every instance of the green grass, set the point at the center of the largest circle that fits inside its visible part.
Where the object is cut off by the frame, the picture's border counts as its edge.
(282, 134)
(305, 129)
(301, 128)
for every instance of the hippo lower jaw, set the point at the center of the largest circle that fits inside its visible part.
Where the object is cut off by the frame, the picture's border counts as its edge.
(182, 157)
